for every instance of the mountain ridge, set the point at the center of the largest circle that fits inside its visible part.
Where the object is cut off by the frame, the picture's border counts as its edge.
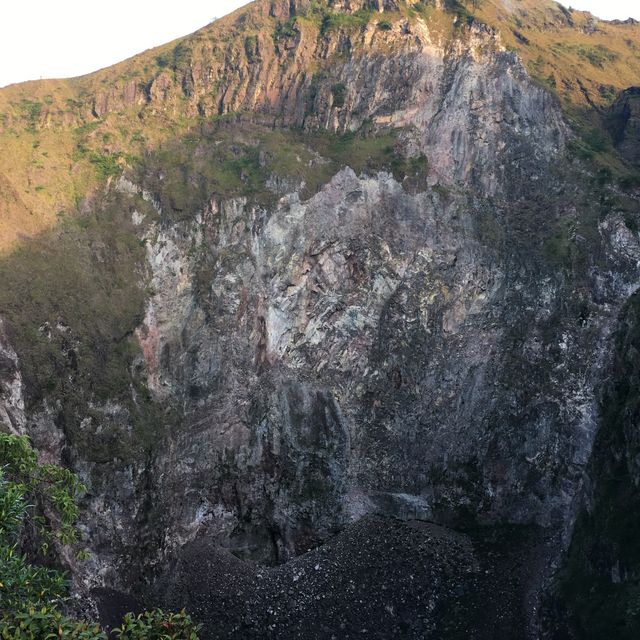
(167, 85)
(327, 266)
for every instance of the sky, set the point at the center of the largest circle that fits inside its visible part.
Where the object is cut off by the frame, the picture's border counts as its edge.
(63, 38)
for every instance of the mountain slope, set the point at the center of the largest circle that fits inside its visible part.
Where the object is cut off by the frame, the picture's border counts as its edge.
(322, 260)
(276, 61)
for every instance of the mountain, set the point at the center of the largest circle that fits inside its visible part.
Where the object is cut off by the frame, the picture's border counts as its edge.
(332, 306)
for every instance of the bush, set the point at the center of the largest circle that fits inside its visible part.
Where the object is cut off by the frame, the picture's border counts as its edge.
(385, 25)
(285, 30)
(157, 625)
(106, 164)
(47, 622)
(31, 595)
(51, 487)
(598, 56)
(334, 20)
(339, 91)
(251, 48)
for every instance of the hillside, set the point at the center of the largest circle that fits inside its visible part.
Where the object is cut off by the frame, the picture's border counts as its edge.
(62, 138)
(316, 275)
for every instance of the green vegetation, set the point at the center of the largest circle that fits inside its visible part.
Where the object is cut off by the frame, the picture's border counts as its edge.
(42, 499)
(590, 61)
(53, 490)
(333, 21)
(460, 11)
(31, 111)
(286, 30)
(328, 20)
(157, 625)
(589, 142)
(178, 59)
(223, 162)
(427, 9)
(91, 260)
(598, 55)
(593, 144)
(106, 165)
(251, 48)
(47, 622)
(338, 91)
(181, 57)
(73, 298)
(163, 60)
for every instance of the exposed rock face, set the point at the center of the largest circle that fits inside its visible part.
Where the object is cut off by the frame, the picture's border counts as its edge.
(374, 348)
(420, 80)
(599, 587)
(12, 416)
(625, 124)
(365, 351)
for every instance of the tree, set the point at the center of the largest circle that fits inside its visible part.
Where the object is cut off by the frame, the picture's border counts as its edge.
(40, 502)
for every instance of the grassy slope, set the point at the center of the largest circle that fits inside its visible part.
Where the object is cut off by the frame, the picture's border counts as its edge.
(584, 60)
(55, 150)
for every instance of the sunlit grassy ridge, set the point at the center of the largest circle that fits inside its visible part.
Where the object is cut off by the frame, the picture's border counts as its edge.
(61, 139)
(586, 61)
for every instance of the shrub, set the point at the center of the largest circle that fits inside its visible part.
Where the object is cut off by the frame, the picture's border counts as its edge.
(106, 165)
(251, 48)
(157, 625)
(47, 622)
(181, 57)
(334, 20)
(163, 61)
(31, 595)
(285, 30)
(385, 25)
(31, 111)
(339, 91)
(460, 11)
(49, 486)
(598, 56)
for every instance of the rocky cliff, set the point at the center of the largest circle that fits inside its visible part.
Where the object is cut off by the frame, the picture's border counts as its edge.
(352, 262)
(625, 124)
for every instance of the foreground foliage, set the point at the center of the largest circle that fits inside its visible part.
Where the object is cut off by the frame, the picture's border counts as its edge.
(39, 502)
(157, 625)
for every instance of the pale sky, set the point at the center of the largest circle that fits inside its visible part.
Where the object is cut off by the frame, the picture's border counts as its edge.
(63, 38)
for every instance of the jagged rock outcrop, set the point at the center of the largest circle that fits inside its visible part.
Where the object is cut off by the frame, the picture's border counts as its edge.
(12, 416)
(598, 589)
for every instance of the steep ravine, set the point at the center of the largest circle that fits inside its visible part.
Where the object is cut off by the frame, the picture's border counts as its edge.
(354, 386)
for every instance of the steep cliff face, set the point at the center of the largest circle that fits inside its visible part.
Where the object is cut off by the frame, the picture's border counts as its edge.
(378, 274)
(625, 124)
(598, 588)
(285, 63)
(12, 416)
